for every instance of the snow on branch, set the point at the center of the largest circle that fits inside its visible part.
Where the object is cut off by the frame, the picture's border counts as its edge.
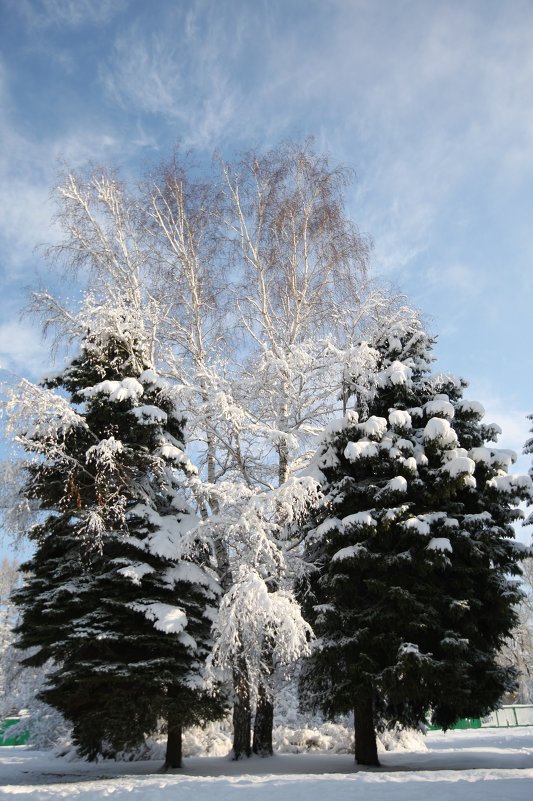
(40, 420)
(251, 614)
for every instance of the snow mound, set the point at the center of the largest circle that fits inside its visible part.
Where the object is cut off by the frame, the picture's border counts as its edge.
(400, 419)
(471, 408)
(127, 389)
(364, 449)
(460, 465)
(374, 427)
(439, 429)
(440, 407)
(397, 484)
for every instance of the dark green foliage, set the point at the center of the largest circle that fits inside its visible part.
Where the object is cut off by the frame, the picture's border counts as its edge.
(119, 593)
(411, 554)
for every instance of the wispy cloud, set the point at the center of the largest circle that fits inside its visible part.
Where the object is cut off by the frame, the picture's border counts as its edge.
(186, 79)
(415, 95)
(422, 98)
(432, 103)
(70, 13)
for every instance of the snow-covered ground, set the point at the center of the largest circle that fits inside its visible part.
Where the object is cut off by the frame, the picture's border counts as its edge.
(474, 765)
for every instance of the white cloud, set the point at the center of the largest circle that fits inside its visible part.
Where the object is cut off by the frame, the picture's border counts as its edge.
(28, 173)
(22, 350)
(29, 166)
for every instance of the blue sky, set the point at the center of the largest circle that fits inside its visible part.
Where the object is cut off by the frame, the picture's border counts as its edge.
(430, 101)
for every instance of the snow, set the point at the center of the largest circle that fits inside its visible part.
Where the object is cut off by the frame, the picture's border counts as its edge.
(439, 429)
(127, 389)
(397, 374)
(399, 419)
(440, 544)
(359, 519)
(191, 573)
(338, 424)
(471, 407)
(104, 453)
(373, 427)
(327, 459)
(421, 526)
(397, 484)
(360, 450)
(350, 552)
(168, 537)
(451, 522)
(167, 618)
(481, 517)
(395, 512)
(410, 464)
(470, 765)
(511, 483)
(176, 455)
(440, 407)
(135, 572)
(497, 457)
(420, 457)
(149, 377)
(408, 648)
(460, 465)
(330, 524)
(149, 414)
(405, 445)
(250, 599)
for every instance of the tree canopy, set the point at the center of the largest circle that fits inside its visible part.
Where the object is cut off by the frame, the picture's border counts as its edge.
(412, 562)
(120, 593)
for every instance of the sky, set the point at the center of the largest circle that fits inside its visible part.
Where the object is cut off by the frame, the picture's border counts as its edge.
(429, 101)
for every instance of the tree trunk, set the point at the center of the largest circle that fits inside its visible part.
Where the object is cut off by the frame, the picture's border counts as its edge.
(264, 712)
(366, 750)
(264, 721)
(242, 713)
(173, 756)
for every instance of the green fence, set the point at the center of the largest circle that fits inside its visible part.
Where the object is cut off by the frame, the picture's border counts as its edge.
(17, 739)
(504, 718)
(463, 723)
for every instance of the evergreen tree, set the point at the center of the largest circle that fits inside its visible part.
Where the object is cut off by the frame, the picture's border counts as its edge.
(411, 554)
(119, 592)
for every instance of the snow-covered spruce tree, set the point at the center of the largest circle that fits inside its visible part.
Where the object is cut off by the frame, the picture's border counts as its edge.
(119, 592)
(411, 554)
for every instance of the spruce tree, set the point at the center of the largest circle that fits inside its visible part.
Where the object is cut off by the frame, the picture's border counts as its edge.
(119, 592)
(411, 554)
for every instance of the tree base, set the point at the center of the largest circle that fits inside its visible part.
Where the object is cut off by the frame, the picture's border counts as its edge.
(264, 723)
(366, 748)
(173, 756)
(242, 713)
